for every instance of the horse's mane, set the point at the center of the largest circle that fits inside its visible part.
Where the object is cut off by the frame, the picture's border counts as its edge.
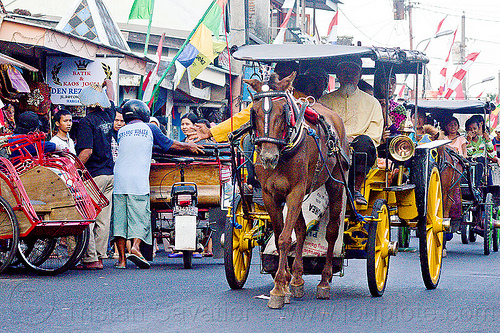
(273, 81)
(433, 132)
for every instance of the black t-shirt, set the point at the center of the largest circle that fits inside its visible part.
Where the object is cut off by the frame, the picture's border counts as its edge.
(94, 132)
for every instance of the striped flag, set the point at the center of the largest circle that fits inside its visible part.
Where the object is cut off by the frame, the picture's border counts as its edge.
(332, 29)
(152, 77)
(460, 74)
(440, 24)
(443, 71)
(280, 37)
(201, 50)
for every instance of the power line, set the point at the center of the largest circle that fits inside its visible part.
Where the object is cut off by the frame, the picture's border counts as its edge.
(481, 12)
(370, 38)
(458, 15)
(482, 40)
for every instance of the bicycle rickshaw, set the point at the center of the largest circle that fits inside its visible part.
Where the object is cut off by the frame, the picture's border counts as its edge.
(414, 201)
(477, 211)
(48, 200)
(191, 187)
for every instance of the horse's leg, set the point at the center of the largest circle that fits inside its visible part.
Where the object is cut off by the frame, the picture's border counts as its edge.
(275, 211)
(277, 224)
(282, 278)
(297, 284)
(335, 192)
(446, 182)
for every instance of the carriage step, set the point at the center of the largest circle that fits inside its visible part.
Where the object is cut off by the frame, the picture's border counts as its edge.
(400, 188)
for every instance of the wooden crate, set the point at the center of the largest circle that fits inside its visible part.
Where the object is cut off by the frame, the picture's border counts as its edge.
(205, 175)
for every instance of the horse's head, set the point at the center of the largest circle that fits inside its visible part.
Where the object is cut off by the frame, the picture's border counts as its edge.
(271, 118)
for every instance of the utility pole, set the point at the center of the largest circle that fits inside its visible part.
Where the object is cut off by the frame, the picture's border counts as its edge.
(410, 23)
(462, 55)
(297, 24)
(303, 17)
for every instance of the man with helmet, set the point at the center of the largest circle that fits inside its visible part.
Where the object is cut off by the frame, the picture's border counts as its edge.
(132, 215)
(93, 146)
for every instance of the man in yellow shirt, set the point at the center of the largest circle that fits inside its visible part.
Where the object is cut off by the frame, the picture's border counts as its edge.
(362, 116)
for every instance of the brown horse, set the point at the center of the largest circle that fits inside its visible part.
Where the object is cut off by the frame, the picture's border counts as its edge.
(289, 166)
(451, 171)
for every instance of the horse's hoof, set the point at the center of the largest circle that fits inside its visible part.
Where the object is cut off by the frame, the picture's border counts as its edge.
(297, 291)
(276, 302)
(323, 292)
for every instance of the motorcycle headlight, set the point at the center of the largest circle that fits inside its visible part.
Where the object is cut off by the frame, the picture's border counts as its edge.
(401, 148)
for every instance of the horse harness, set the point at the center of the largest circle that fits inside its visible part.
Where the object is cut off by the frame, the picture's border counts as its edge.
(296, 127)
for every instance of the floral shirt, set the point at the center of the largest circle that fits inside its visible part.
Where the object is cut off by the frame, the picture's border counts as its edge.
(476, 148)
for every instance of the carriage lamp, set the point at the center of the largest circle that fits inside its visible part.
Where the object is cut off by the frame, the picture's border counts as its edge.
(401, 148)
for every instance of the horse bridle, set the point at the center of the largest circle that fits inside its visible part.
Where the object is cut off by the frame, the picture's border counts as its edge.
(293, 119)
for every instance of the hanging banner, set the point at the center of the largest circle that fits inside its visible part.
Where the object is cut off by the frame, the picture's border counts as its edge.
(66, 76)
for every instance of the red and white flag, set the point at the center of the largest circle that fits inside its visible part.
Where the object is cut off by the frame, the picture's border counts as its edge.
(440, 24)
(460, 74)
(332, 29)
(152, 78)
(280, 37)
(442, 84)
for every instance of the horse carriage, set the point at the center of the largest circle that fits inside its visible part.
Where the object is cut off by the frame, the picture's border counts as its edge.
(187, 198)
(47, 202)
(320, 152)
(471, 186)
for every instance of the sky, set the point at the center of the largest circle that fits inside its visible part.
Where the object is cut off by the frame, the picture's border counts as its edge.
(368, 21)
(372, 23)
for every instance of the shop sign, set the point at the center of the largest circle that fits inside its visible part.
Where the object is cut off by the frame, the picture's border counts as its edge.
(67, 76)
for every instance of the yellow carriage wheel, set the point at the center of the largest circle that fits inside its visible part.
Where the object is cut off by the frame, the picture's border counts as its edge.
(431, 233)
(377, 248)
(237, 247)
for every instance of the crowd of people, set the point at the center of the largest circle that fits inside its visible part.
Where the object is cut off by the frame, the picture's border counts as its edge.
(115, 144)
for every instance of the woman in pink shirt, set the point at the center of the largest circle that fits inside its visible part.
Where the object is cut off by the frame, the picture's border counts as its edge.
(458, 142)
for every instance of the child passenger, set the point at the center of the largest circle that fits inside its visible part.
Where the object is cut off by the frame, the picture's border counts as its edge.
(458, 142)
(63, 121)
(476, 146)
(477, 143)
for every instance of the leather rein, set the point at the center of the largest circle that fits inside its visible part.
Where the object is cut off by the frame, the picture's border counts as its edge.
(294, 120)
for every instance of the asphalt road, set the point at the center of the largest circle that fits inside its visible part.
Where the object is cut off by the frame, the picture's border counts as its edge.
(168, 298)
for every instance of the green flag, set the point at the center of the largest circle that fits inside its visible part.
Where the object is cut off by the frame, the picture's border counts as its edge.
(141, 9)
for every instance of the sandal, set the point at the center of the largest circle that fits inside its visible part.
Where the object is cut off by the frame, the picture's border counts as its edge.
(208, 254)
(139, 261)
